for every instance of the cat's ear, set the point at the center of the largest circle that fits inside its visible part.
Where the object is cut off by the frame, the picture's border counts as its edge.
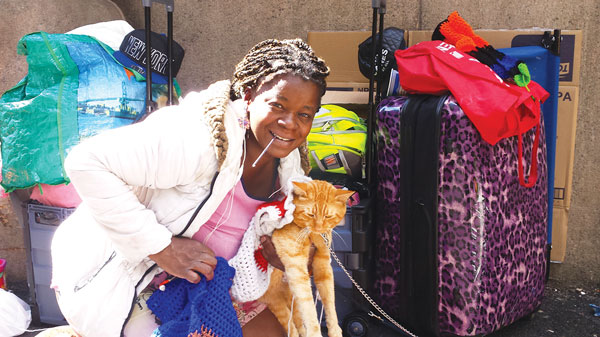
(300, 188)
(343, 195)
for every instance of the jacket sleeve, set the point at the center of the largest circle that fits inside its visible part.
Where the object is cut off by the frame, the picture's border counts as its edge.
(170, 148)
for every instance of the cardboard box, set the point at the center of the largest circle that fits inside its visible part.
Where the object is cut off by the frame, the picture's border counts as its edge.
(345, 83)
(340, 52)
(346, 93)
(568, 100)
(570, 47)
(560, 219)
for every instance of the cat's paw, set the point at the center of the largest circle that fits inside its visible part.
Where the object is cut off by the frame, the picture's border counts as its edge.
(336, 331)
(314, 331)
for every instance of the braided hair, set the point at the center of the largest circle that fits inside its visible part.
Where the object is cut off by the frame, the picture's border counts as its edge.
(274, 57)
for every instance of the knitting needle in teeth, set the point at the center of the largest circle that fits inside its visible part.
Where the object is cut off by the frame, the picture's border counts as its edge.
(263, 152)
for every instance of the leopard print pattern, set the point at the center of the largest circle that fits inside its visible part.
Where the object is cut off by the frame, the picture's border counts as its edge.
(491, 231)
(388, 271)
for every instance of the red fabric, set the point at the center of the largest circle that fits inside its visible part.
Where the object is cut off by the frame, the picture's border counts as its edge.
(533, 170)
(261, 262)
(278, 204)
(498, 109)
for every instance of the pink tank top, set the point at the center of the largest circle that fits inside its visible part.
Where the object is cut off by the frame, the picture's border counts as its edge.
(224, 231)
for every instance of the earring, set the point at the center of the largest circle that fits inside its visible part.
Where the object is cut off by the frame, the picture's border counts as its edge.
(244, 122)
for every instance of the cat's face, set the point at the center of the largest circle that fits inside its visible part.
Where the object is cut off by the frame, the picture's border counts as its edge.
(319, 205)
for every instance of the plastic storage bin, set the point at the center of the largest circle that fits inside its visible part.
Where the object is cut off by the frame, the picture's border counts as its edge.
(352, 246)
(42, 222)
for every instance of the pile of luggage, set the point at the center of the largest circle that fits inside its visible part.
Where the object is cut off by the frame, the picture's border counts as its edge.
(459, 186)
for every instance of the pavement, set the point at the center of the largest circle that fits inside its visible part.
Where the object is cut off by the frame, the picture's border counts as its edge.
(565, 312)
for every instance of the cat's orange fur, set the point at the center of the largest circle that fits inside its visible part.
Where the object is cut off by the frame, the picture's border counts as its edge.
(319, 208)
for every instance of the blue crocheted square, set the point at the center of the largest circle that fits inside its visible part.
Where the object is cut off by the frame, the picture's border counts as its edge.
(205, 308)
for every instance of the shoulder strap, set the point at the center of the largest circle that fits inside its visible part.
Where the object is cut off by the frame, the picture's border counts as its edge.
(212, 185)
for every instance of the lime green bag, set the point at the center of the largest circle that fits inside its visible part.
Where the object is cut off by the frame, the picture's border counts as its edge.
(336, 142)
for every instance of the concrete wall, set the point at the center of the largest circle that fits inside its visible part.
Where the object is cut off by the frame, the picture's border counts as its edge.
(216, 35)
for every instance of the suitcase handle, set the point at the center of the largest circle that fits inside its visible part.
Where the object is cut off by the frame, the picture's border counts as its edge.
(169, 3)
(151, 105)
(533, 171)
(379, 4)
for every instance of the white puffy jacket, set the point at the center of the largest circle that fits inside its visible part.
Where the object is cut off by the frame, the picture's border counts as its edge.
(135, 199)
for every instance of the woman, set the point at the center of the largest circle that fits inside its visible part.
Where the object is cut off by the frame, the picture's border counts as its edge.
(216, 155)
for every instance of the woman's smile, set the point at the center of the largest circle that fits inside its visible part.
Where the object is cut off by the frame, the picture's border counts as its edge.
(277, 137)
(281, 111)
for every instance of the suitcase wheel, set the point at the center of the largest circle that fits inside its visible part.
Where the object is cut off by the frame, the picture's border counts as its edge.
(355, 325)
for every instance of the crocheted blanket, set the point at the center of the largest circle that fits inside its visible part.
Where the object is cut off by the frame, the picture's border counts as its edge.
(252, 272)
(197, 310)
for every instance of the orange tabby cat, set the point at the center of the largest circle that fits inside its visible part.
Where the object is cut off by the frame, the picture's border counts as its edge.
(319, 208)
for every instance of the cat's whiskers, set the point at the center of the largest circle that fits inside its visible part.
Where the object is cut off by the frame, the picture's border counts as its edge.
(341, 238)
(302, 234)
(306, 233)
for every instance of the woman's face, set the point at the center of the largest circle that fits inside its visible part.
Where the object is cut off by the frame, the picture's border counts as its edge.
(282, 108)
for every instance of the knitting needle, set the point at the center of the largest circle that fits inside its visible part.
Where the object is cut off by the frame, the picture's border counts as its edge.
(162, 285)
(263, 152)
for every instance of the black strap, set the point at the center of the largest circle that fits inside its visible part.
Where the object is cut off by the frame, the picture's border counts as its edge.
(212, 185)
(419, 153)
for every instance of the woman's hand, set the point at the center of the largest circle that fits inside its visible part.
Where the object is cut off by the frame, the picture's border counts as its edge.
(271, 256)
(186, 258)
(269, 252)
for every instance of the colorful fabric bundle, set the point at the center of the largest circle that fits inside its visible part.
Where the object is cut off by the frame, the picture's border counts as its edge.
(199, 310)
(456, 31)
(497, 108)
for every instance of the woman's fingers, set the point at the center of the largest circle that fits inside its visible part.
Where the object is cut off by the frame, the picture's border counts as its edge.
(205, 269)
(186, 258)
(270, 253)
(192, 276)
(206, 259)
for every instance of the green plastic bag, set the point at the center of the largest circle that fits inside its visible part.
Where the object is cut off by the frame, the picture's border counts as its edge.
(74, 89)
(45, 98)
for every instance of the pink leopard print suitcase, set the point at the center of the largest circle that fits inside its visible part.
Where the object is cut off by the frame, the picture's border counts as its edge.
(461, 245)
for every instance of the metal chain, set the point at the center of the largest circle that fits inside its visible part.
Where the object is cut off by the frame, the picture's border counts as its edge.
(363, 292)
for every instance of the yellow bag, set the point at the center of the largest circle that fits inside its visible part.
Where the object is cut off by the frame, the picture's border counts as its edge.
(336, 142)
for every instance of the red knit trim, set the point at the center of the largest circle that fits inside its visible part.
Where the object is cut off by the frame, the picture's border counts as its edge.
(278, 204)
(261, 262)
